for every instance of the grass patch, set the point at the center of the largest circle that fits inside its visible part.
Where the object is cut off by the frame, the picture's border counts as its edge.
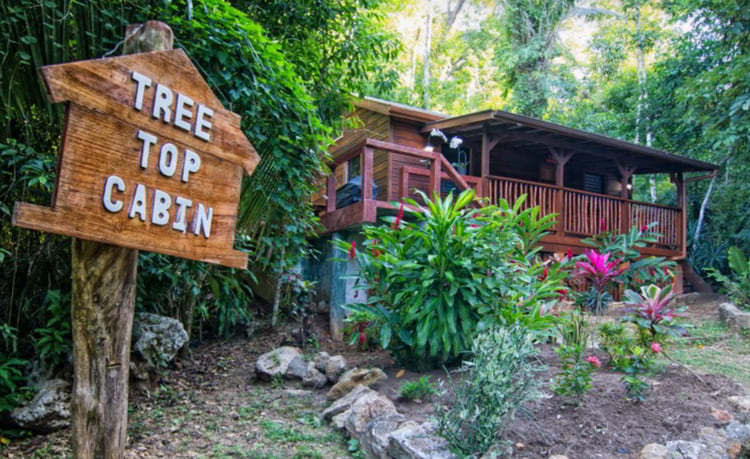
(277, 432)
(712, 348)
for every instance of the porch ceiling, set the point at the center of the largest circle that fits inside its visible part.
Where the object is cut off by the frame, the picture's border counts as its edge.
(532, 133)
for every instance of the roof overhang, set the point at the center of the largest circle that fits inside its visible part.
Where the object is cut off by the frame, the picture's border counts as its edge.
(400, 110)
(509, 125)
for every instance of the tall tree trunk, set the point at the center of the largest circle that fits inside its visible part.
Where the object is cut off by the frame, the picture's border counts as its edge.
(414, 53)
(102, 307)
(642, 121)
(427, 47)
(702, 213)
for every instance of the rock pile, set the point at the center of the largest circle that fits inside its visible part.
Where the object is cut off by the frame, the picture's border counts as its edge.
(732, 441)
(381, 430)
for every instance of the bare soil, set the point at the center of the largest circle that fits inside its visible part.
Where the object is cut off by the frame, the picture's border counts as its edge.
(214, 407)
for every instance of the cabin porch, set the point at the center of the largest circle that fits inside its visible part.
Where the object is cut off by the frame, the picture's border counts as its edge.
(396, 171)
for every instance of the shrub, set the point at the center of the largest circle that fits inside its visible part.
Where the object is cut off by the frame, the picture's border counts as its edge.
(433, 284)
(575, 376)
(611, 339)
(737, 287)
(498, 381)
(600, 271)
(422, 389)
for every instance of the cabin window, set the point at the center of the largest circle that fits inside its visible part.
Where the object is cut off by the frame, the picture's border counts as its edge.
(353, 167)
(593, 183)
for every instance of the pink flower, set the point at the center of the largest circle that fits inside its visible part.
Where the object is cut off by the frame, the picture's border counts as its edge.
(594, 360)
(656, 347)
(644, 228)
(353, 250)
(563, 292)
(397, 223)
(570, 254)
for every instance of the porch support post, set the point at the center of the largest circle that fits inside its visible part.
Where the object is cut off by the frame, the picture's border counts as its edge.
(682, 219)
(485, 161)
(366, 174)
(625, 173)
(560, 158)
(331, 191)
(435, 175)
(488, 143)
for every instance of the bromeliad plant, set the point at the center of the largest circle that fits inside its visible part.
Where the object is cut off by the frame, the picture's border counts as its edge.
(600, 271)
(449, 271)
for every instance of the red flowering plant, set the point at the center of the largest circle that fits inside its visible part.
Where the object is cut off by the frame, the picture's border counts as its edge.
(600, 272)
(636, 269)
(575, 372)
(651, 313)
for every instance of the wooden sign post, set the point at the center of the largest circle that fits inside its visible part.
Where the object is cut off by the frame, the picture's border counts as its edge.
(150, 160)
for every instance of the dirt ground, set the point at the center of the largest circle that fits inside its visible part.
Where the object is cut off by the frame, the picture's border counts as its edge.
(213, 407)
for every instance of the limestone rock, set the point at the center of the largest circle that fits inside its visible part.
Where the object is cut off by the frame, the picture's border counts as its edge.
(297, 368)
(49, 410)
(321, 359)
(313, 378)
(414, 441)
(374, 440)
(344, 403)
(710, 436)
(276, 362)
(156, 339)
(695, 450)
(738, 432)
(354, 377)
(365, 409)
(733, 317)
(335, 367)
(740, 403)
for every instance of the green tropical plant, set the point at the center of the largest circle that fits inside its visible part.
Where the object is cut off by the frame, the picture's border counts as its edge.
(575, 375)
(499, 379)
(737, 287)
(434, 283)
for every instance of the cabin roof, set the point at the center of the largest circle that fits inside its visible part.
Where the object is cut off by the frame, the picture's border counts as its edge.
(400, 110)
(498, 123)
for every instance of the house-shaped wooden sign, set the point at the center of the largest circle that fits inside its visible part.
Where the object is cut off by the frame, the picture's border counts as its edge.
(150, 159)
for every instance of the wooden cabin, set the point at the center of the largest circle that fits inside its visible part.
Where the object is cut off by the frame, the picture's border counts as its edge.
(585, 178)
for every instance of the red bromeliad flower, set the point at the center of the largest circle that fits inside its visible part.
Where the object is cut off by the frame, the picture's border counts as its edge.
(644, 228)
(362, 334)
(655, 347)
(599, 268)
(666, 271)
(545, 274)
(570, 254)
(353, 250)
(563, 292)
(594, 360)
(397, 223)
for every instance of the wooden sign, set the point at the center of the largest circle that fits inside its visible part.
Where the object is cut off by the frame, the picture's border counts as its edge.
(150, 159)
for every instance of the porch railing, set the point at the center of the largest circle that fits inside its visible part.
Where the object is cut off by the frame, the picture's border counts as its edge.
(584, 214)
